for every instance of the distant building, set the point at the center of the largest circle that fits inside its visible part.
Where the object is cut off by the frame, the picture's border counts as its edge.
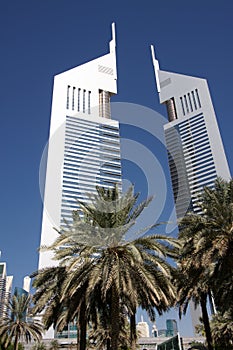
(18, 291)
(5, 288)
(154, 331)
(172, 329)
(143, 329)
(162, 333)
(27, 283)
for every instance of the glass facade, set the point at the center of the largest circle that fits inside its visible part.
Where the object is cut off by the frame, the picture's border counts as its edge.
(172, 329)
(195, 150)
(191, 162)
(2, 287)
(69, 332)
(84, 147)
(92, 157)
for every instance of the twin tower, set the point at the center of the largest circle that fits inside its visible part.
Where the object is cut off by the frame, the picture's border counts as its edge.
(84, 142)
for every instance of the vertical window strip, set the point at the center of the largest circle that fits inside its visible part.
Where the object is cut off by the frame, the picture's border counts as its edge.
(186, 103)
(73, 94)
(182, 104)
(89, 102)
(78, 107)
(84, 100)
(68, 97)
(198, 98)
(101, 103)
(106, 104)
(194, 100)
(190, 102)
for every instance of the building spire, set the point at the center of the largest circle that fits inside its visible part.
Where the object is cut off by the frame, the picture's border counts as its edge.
(156, 67)
(112, 43)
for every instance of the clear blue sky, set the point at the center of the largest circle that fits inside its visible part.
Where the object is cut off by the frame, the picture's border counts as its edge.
(39, 39)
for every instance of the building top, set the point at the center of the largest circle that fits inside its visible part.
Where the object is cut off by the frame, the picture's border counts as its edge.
(100, 72)
(171, 84)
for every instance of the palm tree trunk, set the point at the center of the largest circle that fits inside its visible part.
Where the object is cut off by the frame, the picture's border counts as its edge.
(78, 335)
(108, 344)
(133, 333)
(16, 342)
(82, 343)
(206, 322)
(115, 318)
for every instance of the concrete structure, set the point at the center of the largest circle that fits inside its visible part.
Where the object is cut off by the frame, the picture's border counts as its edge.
(143, 329)
(5, 288)
(172, 329)
(154, 332)
(176, 342)
(84, 143)
(27, 284)
(143, 343)
(195, 150)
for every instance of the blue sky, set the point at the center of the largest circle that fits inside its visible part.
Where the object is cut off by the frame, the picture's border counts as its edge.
(42, 38)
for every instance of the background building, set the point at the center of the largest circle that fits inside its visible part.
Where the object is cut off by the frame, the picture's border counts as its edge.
(172, 328)
(25, 290)
(5, 288)
(143, 329)
(195, 151)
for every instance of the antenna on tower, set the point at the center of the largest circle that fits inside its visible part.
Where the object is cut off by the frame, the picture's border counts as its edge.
(156, 67)
(112, 43)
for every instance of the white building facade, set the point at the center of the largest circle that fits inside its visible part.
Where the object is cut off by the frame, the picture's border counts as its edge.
(195, 150)
(84, 143)
(5, 288)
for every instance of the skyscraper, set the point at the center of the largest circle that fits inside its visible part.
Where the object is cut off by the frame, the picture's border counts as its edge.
(172, 329)
(84, 144)
(195, 151)
(5, 288)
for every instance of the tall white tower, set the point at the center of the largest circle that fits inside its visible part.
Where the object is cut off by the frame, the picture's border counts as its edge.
(195, 150)
(84, 144)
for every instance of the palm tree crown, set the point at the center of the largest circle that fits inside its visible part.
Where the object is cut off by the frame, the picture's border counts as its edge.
(17, 324)
(206, 259)
(102, 265)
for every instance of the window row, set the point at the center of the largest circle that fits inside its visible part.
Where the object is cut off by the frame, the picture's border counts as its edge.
(78, 99)
(190, 102)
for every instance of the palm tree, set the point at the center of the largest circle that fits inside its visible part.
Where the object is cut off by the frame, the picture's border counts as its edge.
(98, 259)
(17, 324)
(206, 259)
(192, 286)
(39, 346)
(218, 243)
(100, 334)
(222, 330)
(48, 284)
(54, 345)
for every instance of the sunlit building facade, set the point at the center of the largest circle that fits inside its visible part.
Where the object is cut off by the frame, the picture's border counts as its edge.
(84, 145)
(5, 288)
(195, 151)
